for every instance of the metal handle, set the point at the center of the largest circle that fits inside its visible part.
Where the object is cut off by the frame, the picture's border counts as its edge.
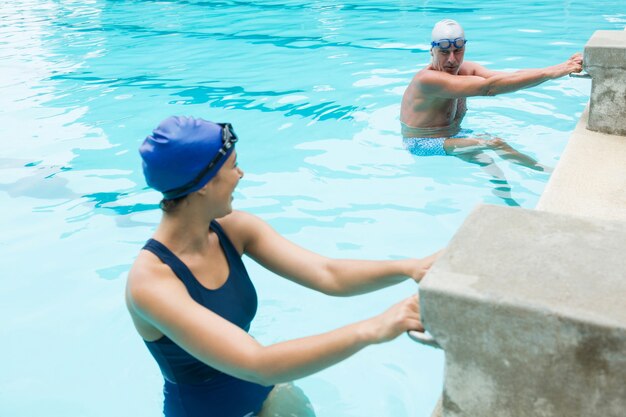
(423, 338)
(580, 75)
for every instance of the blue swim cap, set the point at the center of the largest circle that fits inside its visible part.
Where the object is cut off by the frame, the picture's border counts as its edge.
(178, 150)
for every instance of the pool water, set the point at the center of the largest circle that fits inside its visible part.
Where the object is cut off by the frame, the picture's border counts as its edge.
(313, 90)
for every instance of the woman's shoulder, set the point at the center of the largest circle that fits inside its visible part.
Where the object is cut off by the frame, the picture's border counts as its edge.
(151, 284)
(236, 219)
(146, 273)
(240, 227)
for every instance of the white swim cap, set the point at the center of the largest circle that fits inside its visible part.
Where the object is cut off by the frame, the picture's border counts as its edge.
(447, 29)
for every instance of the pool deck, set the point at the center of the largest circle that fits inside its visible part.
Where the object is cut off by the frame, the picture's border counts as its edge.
(590, 178)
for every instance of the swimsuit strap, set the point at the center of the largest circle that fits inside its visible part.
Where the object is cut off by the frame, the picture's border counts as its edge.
(183, 272)
(233, 256)
(178, 267)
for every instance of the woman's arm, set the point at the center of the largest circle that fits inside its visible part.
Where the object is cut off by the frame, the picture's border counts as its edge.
(157, 299)
(341, 277)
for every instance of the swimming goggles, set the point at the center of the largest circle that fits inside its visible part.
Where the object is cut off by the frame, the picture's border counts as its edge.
(447, 43)
(229, 138)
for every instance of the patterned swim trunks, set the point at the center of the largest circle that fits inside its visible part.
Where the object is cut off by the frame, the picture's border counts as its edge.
(425, 146)
(431, 146)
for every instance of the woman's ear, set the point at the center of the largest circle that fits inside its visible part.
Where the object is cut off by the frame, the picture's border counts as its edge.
(205, 189)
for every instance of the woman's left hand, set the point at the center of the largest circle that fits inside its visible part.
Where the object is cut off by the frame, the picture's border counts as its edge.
(421, 266)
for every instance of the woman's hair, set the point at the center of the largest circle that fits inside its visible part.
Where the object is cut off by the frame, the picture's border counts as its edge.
(170, 205)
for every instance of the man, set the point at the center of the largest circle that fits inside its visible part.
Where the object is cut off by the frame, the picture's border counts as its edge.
(433, 104)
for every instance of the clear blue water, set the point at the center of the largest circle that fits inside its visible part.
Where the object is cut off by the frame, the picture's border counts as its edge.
(313, 90)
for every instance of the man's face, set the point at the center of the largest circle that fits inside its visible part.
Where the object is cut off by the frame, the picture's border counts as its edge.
(448, 60)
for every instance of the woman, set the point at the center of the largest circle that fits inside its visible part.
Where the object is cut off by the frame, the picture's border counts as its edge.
(191, 299)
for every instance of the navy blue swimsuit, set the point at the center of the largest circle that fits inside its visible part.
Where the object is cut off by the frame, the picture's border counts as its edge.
(192, 388)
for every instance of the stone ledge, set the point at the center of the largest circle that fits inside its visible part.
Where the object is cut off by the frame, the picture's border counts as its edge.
(606, 49)
(537, 260)
(605, 61)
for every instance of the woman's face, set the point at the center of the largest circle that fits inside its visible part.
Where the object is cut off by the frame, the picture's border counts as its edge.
(224, 183)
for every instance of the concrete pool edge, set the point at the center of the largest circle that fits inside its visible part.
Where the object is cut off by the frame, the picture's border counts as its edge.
(523, 300)
(590, 178)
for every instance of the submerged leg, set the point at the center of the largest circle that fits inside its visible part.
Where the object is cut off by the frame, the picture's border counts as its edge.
(509, 153)
(487, 164)
(456, 146)
(287, 400)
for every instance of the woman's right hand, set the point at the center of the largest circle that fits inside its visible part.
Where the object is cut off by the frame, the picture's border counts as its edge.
(398, 319)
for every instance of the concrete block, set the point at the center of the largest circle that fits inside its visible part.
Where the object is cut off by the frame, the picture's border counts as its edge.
(530, 308)
(605, 61)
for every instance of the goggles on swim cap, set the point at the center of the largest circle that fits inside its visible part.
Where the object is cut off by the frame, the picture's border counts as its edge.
(447, 43)
(229, 138)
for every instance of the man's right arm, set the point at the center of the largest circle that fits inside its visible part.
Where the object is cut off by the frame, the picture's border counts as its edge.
(441, 84)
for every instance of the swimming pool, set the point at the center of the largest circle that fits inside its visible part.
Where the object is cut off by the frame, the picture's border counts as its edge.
(313, 90)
